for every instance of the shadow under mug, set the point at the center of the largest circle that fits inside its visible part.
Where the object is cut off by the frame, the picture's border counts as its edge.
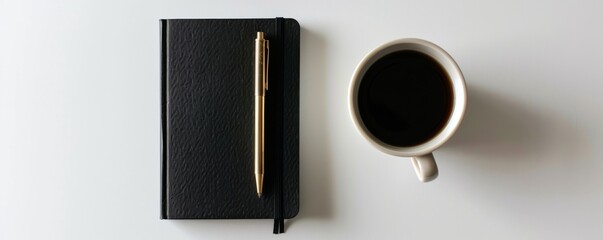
(421, 154)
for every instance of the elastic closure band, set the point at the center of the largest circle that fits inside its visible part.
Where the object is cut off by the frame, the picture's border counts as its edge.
(279, 221)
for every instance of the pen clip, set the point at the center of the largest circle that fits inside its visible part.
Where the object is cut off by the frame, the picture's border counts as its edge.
(267, 58)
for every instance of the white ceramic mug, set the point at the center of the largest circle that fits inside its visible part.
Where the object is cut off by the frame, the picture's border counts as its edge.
(422, 156)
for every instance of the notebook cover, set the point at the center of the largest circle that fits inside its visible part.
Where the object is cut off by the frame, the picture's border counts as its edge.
(207, 119)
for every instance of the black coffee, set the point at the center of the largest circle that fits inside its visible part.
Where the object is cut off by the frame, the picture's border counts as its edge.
(405, 98)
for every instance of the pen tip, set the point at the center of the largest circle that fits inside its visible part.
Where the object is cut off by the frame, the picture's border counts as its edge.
(259, 181)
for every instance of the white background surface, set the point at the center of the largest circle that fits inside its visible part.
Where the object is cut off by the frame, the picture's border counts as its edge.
(79, 122)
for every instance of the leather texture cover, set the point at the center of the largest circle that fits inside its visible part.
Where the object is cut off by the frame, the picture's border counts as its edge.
(207, 119)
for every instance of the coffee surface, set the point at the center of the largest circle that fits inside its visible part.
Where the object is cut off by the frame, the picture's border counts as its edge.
(405, 98)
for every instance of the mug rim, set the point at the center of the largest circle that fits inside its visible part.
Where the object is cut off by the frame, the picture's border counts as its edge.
(458, 89)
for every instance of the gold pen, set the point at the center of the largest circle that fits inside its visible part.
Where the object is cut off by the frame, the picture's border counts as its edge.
(261, 85)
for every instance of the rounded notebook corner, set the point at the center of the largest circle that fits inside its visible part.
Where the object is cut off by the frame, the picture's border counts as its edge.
(294, 214)
(294, 21)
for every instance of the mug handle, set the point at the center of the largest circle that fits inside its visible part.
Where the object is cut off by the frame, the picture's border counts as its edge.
(425, 167)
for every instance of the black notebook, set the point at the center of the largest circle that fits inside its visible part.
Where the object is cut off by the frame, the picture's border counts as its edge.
(207, 119)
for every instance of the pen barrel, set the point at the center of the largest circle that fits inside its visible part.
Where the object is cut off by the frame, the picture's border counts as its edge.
(259, 135)
(260, 90)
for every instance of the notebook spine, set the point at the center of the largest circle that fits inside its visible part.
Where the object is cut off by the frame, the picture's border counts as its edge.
(164, 143)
